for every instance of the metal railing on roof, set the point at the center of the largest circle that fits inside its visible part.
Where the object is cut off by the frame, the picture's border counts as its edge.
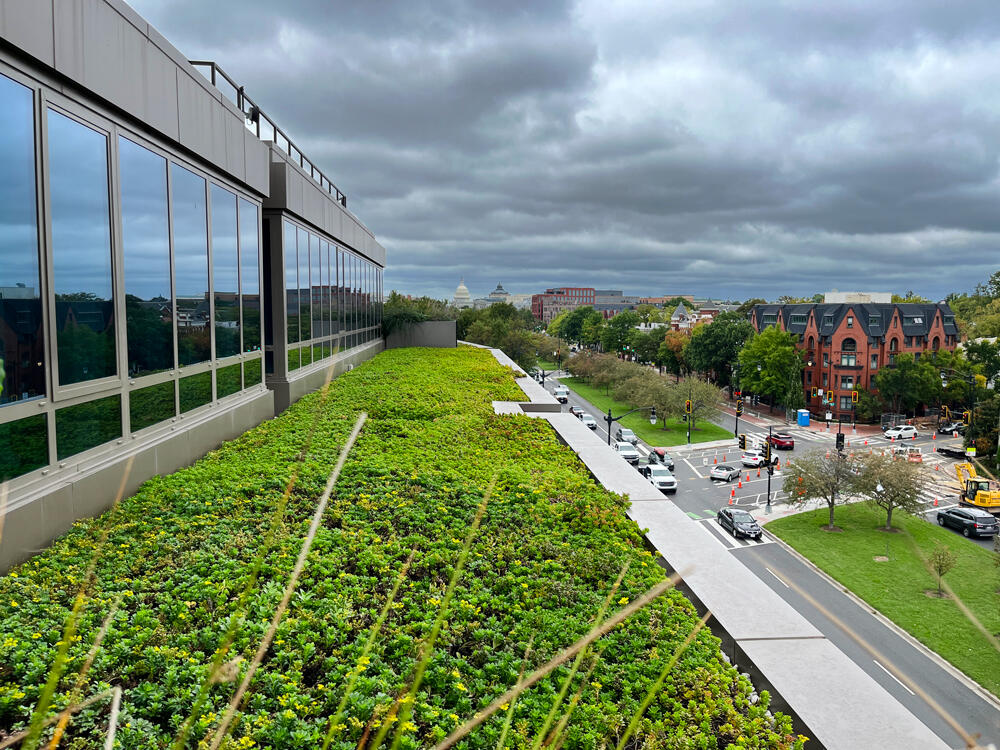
(265, 128)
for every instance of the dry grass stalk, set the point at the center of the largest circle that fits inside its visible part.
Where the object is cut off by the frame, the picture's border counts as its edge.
(510, 709)
(300, 565)
(69, 631)
(109, 693)
(543, 671)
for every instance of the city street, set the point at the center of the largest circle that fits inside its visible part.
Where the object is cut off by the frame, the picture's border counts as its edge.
(701, 498)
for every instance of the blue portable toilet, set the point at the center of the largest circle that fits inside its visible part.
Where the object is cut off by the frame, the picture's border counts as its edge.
(803, 417)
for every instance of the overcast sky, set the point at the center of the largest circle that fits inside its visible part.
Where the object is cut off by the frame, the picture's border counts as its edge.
(726, 149)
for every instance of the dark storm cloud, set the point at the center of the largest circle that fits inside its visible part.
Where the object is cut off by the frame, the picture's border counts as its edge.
(723, 149)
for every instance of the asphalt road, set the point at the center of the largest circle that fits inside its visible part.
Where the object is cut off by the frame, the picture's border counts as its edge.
(701, 497)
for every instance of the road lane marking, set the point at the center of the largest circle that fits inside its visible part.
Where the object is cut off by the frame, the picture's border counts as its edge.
(893, 677)
(778, 578)
(696, 472)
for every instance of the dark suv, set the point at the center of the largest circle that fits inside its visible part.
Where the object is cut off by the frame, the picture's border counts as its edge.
(970, 521)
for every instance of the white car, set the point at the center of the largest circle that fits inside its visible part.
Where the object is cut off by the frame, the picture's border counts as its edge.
(660, 477)
(754, 459)
(724, 472)
(627, 451)
(901, 432)
(589, 421)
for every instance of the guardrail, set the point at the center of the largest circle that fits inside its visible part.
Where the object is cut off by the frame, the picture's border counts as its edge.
(255, 117)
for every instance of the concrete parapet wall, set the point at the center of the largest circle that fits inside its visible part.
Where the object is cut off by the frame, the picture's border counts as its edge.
(438, 334)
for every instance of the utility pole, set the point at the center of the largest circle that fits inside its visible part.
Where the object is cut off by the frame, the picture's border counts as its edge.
(770, 469)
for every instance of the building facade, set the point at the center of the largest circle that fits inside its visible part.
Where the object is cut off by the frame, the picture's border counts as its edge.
(173, 270)
(845, 345)
(552, 302)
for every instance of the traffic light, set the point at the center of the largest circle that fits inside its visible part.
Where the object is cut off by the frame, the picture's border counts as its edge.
(854, 397)
(767, 452)
(743, 442)
(966, 417)
(739, 407)
(814, 391)
(947, 412)
(687, 406)
(738, 394)
(840, 441)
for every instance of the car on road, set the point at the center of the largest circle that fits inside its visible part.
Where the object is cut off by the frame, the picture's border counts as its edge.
(589, 421)
(624, 433)
(660, 476)
(576, 411)
(660, 456)
(781, 440)
(739, 523)
(724, 472)
(970, 521)
(903, 432)
(561, 393)
(754, 459)
(949, 428)
(951, 452)
(627, 451)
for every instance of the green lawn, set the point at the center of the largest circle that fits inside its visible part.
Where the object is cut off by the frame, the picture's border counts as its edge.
(546, 365)
(896, 588)
(675, 434)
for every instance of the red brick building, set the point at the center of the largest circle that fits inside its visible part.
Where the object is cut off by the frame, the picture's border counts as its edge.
(849, 343)
(552, 302)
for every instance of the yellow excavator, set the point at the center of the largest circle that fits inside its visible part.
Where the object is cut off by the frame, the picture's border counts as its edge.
(977, 491)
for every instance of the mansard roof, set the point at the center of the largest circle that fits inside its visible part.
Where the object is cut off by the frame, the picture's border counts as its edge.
(872, 319)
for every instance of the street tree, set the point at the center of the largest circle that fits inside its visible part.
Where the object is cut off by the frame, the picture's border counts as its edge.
(646, 344)
(908, 383)
(617, 331)
(941, 560)
(705, 398)
(555, 327)
(889, 483)
(985, 354)
(713, 348)
(590, 332)
(780, 367)
(671, 353)
(818, 475)
(745, 308)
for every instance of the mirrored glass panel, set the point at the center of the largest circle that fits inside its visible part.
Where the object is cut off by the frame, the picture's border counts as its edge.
(228, 380)
(190, 226)
(225, 273)
(81, 250)
(305, 316)
(22, 351)
(316, 287)
(85, 426)
(291, 282)
(147, 406)
(194, 391)
(251, 373)
(24, 446)
(146, 244)
(250, 275)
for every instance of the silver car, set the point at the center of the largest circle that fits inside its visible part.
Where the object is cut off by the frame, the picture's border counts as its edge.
(589, 421)
(627, 451)
(724, 472)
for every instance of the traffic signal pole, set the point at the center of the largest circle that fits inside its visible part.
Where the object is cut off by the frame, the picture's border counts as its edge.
(767, 455)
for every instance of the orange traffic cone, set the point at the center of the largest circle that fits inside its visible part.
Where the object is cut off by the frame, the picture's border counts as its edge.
(758, 472)
(777, 465)
(739, 484)
(935, 502)
(933, 436)
(800, 480)
(866, 442)
(828, 454)
(937, 468)
(748, 477)
(715, 460)
(892, 440)
(723, 456)
(914, 437)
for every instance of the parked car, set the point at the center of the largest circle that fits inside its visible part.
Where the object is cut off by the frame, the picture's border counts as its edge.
(724, 472)
(951, 452)
(970, 521)
(561, 393)
(660, 476)
(902, 432)
(754, 459)
(739, 523)
(624, 433)
(781, 440)
(949, 428)
(627, 451)
(660, 456)
(576, 411)
(589, 421)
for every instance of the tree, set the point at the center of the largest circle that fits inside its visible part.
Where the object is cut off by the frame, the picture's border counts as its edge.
(555, 327)
(820, 476)
(590, 333)
(941, 559)
(889, 482)
(869, 406)
(908, 383)
(616, 333)
(646, 344)
(985, 354)
(745, 308)
(713, 348)
(780, 363)
(705, 399)
(910, 296)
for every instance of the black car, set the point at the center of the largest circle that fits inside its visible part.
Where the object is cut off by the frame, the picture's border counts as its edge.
(951, 452)
(950, 427)
(576, 411)
(739, 523)
(970, 521)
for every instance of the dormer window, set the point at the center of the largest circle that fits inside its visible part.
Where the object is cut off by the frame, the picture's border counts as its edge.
(770, 319)
(913, 320)
(875, 320)
(828, 320)
(850, 322)
(798, 319)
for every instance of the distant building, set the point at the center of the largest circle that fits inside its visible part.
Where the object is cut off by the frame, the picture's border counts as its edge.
(845, 345)
(708, 311)
(844, 298)
(681, 319)
(497, 295)
(610, 302)
(550, 303)
(462, 298)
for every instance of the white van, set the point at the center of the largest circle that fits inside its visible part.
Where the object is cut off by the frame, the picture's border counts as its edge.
(561, 393)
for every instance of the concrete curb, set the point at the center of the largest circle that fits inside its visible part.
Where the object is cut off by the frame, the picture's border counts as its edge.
(934, 656)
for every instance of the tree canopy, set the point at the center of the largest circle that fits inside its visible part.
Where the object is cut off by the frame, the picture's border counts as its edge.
(714, 348)
(780, 363)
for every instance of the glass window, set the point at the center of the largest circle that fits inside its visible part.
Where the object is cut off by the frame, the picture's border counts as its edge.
(826, 359)
(187, 193)
(81, 250)
(305, 316)
(250, 275)
(195, 391)
(22, 351)
(315, 286)
(147, 406)
(874, 361)
(24, 446)
(291, 283)
(225, 273)
(84, 426)
(251, 373)
(227, 380)
(146, 246)
(848, 359)
(850, 322)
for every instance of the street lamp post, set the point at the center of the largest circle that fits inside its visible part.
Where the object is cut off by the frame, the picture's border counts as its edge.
(609, 419)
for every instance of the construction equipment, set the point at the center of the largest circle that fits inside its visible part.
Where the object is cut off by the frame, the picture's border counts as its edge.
(977, 492)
